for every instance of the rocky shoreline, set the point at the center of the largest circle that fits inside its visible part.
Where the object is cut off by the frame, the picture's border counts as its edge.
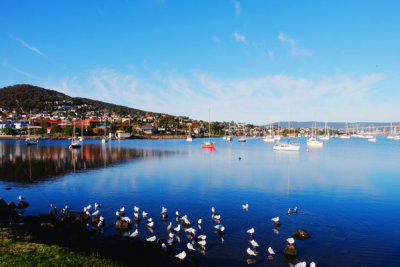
(71, 231)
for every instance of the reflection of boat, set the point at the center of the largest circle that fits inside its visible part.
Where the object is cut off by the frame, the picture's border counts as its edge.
(209, 143)
(286, 146)
(104, 140)
(31, 140)
(242, 139)
(189, 137)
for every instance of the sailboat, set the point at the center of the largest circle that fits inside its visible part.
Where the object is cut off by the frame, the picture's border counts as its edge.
(278, 136)
(189, 136)
(391, 132)
(312, 141)
(347, 135)
(326, 135)
(209, 143)
(371, 138)
(242, 138)
(287, 146)
(74, 142)
(31, 140)
(229, 137)
(269, 138)
(81, 137)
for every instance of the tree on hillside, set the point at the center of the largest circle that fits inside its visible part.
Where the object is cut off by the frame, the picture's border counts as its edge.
(55, 128)
(9, 131)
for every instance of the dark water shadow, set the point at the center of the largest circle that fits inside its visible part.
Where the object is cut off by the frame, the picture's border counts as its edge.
(31, 164)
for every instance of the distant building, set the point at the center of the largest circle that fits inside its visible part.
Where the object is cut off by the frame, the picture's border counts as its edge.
(148, 129)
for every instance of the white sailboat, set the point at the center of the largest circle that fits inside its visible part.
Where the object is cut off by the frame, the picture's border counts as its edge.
(347, 135)
(81, 137)
(312, 141)
(74, 142)
(287, 146)
(391, 136)
(325, 137)
(269, 138)
(189, 136)
(372, 138)
(208, 144)
(278, 136)
(243, 138)
(229, 137)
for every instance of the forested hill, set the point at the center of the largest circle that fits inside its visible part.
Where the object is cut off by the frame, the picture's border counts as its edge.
(28, 97)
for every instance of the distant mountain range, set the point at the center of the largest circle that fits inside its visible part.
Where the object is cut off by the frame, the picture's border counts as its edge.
(332, 125)
(28, 98)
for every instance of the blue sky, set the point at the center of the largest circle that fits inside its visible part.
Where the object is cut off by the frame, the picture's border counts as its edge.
(248, 61)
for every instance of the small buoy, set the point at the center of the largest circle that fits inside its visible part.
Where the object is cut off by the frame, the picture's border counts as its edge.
(307, 150)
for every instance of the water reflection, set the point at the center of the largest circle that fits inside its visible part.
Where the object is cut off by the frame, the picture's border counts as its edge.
(28, 164)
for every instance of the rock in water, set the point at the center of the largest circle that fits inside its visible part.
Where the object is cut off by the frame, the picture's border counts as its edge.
(11, 205)
(122, 225)
(290, 251)
(23, 205)
(301, 234)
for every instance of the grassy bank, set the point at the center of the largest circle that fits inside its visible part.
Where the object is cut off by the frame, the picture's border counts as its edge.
(16, 249)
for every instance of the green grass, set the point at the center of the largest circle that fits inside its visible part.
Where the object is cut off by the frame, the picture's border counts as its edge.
(24, 253)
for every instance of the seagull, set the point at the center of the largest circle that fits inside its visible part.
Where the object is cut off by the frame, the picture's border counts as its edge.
(250, 231)
(190, 246)
(202, 243)
(199, 221)
(177, 214)
(178, 228)
(169, 226)
(191, 231)
(181, 255)
(117, 214)
(301, 264)
(213, 210)
(95, 213)
(96, 206)
(289, 211)
(295, 209)
(20, 198)
(163, 210)
(144, 214)
(202, 237)
(136, 209)
(134, 234)
(150, 224)
(250, 252)
(151, 239)
(312, 264)
(276, 220)
(254, 243)
(150, 219)
(163, 247)
(217, 217)
(99, 224)
(171, 235)
(220, 228)
(126, 219)
(65, 209)
(271, 251)
(136, 215)
(245, 207)
(276, 231)
(122, 210)
(185, 220)
(290, 241)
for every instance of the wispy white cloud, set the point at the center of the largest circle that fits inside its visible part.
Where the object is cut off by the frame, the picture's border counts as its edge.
(271, 54)
(240, 37)
(339, 97)
(26, 45)
(216, 39)
(294, 49)
(236, 4)
(5, 64)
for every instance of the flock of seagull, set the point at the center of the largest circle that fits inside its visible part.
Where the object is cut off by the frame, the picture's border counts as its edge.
(184, 224)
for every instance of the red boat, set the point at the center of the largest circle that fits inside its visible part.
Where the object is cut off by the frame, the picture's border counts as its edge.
(208, 144)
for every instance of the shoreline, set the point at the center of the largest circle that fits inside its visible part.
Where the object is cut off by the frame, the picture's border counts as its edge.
(23, 137)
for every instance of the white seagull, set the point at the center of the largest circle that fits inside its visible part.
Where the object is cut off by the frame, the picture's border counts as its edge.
(312, 264)
(178, 228)
(190, 246)
(250, 231)
(289, 211)
(20, 198)
(163, 247)
(163, 210)
(151, 224)
(202, 237)
(151, 239)
(245, 207)
(251, 252)
(254, 243)
(95, 213)
(136, 209)
(276, 220)
(150, 219)
(271, 251)
(202, 243)
(217, 217)
(301, 264)
(144, 214)
(169, 226)
(290, 241)
(126, 219)
(199, 221)
(177, 213)
(181, 255)
(122, 210)
(134, 234)
(212, 210)
(96, 206)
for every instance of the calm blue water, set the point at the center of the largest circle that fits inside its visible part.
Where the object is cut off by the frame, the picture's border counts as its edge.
(347, 193)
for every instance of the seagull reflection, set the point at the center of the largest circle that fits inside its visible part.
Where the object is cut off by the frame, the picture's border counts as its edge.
(276, 231)
(251, 261)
